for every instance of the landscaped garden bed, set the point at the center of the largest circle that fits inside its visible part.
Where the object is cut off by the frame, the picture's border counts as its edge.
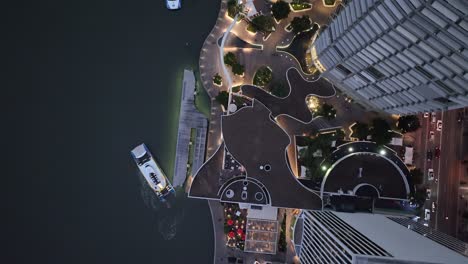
(329, 3)
(217, 80)
(263, 76)
(300, 5)
(234, 225)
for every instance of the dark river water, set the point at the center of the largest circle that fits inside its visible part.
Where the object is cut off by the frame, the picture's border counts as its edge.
(83, 82)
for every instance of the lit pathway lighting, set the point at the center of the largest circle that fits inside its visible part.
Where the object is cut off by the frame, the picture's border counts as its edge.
(324, 168)
(350, 149)
(383, 152)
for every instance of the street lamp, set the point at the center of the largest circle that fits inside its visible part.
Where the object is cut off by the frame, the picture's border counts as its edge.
(324, 168)
(350, 149)
(383, 152)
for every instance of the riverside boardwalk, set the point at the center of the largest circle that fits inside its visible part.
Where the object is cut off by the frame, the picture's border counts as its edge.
(189, 118)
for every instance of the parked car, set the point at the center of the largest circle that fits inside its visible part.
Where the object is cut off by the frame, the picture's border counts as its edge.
(427, 214)
(426, 114)
(437, 152)
(433, 117)
(431, 135)
(429, 155)
(433, 207)
(439, 125)
(428, 194)
(430, 174)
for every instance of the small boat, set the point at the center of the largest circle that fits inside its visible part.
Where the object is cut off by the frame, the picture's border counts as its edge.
(173, 4)
(153, 174)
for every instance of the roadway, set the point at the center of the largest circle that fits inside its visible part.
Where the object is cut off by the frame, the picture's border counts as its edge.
(447, 168)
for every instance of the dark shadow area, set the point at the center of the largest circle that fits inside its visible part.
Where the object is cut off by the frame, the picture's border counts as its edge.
(299, 46)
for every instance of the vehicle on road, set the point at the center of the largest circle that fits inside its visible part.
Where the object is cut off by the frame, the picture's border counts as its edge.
(437, 152)
(428, 194)
(427, 214)
(439, 125)
(460, 117)
(431, 135)
(433, 207)
(429, 155)
(433, 117)
(430, 174)
(426, 114)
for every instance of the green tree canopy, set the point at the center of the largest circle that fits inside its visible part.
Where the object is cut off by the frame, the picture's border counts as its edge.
(223, 98)
(263, 76)
(279, 89)
(380, 131)
(234, 8)
(217, 79)
(280, 10)
(408, 123)
(230, 59)
(360, 131)
(327, 111)
(238, 69)
(263, 23)
(300, 24)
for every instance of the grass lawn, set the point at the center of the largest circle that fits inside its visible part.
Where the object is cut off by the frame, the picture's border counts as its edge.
(202, 99)
(193, 136)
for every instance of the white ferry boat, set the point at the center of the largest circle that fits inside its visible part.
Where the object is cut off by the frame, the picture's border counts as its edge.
(153, 174)
(173, 4)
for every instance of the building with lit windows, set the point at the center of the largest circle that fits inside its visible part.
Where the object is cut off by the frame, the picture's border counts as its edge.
(332, 237)
(399, 56)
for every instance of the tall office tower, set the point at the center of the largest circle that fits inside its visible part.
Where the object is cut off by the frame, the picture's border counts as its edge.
(399, 56)
(331, 237)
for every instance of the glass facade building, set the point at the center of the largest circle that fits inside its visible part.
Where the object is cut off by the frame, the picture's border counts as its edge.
(399, 56)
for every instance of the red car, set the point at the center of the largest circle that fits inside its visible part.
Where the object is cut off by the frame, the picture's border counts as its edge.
(437, 152)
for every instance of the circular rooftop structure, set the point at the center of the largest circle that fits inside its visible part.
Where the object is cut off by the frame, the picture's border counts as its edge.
(366, 170)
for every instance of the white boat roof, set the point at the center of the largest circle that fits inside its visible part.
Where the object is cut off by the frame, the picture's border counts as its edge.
(139, 151)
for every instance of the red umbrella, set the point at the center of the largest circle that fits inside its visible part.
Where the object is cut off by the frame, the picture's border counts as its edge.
(230, 222)
(243, 237)
(240, 231)
(231, 234)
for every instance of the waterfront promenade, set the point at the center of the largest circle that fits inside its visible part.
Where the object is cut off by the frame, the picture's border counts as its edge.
(189, 118)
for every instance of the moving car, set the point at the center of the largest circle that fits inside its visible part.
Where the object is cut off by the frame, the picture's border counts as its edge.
(429, 155)
(460, 117)
(428, 194)
(427, 214)
(431, 135)
(437, 152)
(430, 174)
(426, 114)
(433, 207)
(433, 117)
(439, 125)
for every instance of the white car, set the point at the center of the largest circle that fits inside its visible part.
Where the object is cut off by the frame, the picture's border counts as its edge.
(439, 125)
(426, 114)
(173, 4)
(427, 214)
(434, 117)
(428, 194)
(433, 207)
(430, 174)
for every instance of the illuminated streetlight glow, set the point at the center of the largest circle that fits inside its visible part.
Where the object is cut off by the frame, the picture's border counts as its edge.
(324, 168)
(383, 152)
(350, 149)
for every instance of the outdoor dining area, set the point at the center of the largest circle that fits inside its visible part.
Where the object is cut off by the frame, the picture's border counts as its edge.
(235, 225)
